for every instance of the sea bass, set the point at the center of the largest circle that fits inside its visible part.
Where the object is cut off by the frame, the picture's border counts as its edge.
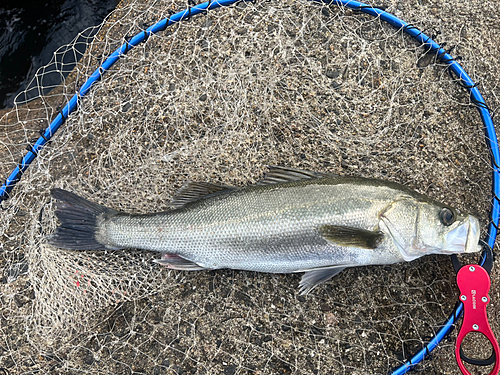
(291, 221)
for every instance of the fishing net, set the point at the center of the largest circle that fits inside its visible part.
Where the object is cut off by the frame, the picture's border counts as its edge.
(218, 98)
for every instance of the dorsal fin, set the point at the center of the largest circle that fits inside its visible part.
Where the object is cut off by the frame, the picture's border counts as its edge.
(193, 191)
(278, 175)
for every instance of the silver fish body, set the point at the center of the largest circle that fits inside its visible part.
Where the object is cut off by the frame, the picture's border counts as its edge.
(294, 221)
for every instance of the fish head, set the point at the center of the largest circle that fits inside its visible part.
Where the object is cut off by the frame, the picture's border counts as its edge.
(421, 227)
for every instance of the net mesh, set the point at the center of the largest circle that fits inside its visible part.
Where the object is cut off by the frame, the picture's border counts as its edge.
(218, 98)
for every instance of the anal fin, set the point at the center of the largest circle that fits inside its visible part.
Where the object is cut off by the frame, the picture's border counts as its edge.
(176, 262)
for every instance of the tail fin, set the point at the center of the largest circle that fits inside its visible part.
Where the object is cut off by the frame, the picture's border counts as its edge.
(78, 218)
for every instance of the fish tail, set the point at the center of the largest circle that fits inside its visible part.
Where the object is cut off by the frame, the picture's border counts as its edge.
(79, 222)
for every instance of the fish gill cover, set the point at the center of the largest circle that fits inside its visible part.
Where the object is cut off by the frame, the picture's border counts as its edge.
(217, 99)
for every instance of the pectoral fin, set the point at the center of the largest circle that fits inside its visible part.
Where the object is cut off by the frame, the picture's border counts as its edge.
(351, 237)
(311, 279)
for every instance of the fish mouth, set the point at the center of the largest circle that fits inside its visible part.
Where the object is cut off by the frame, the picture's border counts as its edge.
(464, 238)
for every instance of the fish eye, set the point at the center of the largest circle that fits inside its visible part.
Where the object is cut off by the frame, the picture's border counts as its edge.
(447, 216)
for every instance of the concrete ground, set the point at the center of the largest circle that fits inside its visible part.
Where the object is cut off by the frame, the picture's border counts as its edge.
(218, 98)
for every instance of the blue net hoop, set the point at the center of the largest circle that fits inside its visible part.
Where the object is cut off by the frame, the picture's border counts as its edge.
(454, 67)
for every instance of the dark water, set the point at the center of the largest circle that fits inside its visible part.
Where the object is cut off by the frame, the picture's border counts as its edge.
(31, 31)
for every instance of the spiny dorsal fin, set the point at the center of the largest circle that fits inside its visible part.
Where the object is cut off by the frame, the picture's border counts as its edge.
(193, 191)
(351, 237)
(278, 175)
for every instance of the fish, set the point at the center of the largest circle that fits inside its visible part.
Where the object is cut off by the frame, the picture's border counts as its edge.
(291, 221)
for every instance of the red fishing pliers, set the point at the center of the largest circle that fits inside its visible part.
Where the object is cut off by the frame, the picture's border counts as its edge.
(474, 283)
